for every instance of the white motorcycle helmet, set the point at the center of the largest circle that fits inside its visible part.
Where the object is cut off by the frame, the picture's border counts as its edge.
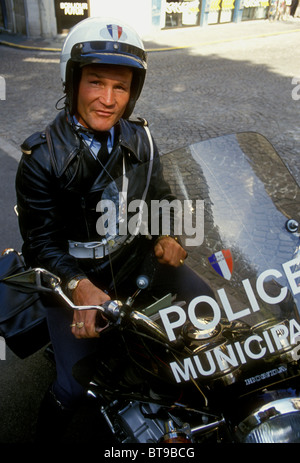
(102, 41)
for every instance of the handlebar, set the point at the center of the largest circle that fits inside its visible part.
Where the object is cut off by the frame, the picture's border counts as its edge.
(40, 280)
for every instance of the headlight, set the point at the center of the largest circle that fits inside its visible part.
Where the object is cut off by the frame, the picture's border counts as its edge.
(275, 422)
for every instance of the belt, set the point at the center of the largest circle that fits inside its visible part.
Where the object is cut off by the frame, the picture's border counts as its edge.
(95, 249)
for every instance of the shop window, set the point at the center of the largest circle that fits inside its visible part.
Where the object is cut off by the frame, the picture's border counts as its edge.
(255, 9)
(220, 11)
(182, 13)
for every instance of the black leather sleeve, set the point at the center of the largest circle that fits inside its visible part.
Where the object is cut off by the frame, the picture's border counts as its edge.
(41, 225)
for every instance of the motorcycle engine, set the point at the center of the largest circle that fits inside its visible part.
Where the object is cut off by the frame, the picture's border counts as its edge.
(137, 426)
(135, 422)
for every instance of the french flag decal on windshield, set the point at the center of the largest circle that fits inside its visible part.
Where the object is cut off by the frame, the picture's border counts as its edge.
(222, 263)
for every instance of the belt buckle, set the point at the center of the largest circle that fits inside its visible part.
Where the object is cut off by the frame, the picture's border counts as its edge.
(98, 252)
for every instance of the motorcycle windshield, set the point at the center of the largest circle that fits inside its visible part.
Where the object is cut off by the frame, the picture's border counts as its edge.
(237, 211)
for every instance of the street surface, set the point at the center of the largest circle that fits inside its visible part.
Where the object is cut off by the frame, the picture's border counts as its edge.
(232, 78)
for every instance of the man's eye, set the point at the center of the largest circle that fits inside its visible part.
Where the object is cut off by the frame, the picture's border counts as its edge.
(122, 88)
(94, 82)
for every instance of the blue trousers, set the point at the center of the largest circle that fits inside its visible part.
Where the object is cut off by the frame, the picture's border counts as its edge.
(68, 350)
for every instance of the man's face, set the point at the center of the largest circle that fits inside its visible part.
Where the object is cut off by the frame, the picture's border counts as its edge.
(103, 95)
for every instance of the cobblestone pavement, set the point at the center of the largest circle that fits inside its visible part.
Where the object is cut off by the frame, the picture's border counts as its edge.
(225, 79)
(235, 77)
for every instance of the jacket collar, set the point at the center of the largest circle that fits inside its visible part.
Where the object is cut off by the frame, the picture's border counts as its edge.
(128, 138)
(64, 140)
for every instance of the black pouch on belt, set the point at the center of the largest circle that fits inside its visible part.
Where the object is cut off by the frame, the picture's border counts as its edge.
(23, 322)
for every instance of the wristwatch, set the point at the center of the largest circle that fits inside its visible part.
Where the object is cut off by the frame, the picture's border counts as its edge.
(72, 284)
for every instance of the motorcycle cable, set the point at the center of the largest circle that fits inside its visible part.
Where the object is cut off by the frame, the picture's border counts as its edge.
(172, 351)
(193, 381)
(125, 185)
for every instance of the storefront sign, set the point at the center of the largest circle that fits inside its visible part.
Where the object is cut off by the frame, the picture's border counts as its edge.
(215, 5)
(70, 8)
(228, 4)
(70, 13)
(256, 3)
(182, 7)
(182, 13)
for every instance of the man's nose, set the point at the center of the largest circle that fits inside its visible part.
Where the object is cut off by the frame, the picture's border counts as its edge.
(107, 96)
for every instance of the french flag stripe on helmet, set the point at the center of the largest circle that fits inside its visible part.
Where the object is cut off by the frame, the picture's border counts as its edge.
(115, 31)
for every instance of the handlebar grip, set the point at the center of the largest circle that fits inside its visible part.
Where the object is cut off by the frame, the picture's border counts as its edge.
(100, 320)
(111, 312)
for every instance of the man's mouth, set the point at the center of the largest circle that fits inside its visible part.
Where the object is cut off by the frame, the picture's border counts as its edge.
(103, 113)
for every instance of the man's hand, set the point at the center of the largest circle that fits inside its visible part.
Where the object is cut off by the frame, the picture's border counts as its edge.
(86, 293)
(169, 251)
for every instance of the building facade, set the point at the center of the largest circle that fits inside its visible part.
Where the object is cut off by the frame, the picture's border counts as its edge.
(48, 18)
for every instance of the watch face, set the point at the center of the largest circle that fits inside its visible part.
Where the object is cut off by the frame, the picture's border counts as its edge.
(72, 284)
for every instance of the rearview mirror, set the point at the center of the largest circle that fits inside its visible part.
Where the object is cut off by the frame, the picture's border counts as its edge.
(34, 280)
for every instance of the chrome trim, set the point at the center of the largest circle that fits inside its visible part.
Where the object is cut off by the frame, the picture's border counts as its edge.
(141, 320)
(268, 412)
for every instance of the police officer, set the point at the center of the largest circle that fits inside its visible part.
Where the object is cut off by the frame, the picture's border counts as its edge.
(63, 174)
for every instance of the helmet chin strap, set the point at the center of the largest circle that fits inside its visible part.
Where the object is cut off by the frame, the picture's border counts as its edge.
(58, 101)
(81, 128)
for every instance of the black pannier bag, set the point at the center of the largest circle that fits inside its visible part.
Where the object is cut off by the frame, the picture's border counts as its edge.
(23, 322)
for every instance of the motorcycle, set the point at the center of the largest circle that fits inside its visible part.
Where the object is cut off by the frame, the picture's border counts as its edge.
(168, 373)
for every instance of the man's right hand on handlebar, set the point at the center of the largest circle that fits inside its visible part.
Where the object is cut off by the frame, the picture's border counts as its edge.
(84, 321)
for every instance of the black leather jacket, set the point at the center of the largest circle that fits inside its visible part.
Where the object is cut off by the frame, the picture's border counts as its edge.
(59, 184)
